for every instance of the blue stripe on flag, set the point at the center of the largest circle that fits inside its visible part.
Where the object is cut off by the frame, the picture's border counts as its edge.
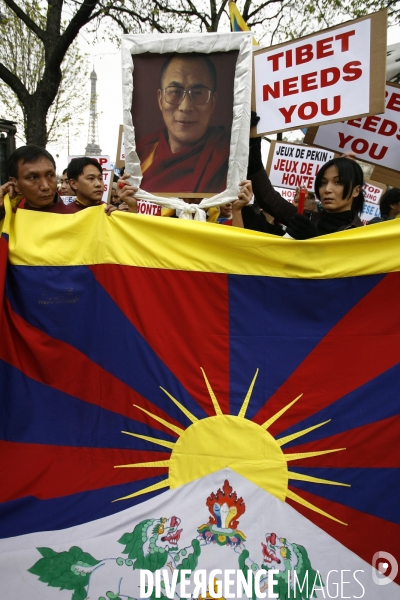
(275, 323)
(63, 308)
(51, 417)
(365, 493)
(362, 406)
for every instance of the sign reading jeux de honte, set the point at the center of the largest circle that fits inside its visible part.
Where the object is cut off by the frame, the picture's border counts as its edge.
(292, 165)
(336, 74)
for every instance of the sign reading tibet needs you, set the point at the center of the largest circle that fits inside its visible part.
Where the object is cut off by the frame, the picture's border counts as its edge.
(336, 74)
(291, 165)
(375, 139)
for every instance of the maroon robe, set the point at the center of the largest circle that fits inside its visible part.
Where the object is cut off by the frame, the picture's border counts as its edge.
(74, 207)
(202, 167)
(56, 206)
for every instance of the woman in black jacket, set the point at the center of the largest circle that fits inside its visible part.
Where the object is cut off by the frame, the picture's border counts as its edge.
(338, 186)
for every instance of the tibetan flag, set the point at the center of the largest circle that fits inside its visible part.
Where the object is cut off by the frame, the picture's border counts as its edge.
(189, 399)
(237, 21)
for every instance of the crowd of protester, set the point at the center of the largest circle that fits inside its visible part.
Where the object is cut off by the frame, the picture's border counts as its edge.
(336, 204)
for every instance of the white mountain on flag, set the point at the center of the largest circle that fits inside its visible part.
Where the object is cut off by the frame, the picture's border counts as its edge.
(222, 521)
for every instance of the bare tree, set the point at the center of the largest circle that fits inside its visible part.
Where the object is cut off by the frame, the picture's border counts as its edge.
(24, 55)
(56, 39)
(270, 20)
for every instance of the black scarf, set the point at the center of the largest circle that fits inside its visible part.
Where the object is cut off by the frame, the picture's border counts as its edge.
(331, 222)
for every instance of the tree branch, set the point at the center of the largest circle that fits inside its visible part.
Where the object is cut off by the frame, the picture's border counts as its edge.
(264, 5)
(25, 19)
(246, 10)
(15, 84)
(80, 18)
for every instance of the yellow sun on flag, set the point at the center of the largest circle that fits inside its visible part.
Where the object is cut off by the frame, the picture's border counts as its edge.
(228, 441)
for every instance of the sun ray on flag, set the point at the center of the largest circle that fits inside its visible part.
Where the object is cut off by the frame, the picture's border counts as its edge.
(246, 401)
(151, 488)
(154, 463)
(300, 455)
(151, 439)
(276, 416)
(174, 428)
(301, 477)
(185, 411)
(294, 436)
(186, 444)
(296, 498)
(213, 397)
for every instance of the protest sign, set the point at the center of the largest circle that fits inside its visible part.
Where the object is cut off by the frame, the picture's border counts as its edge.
(120, 160)
(148, 208)
(68, 199)
(335, 74)
(372, 194)
(286, 193)
(374, 139)
(108, 180)
(292, 165)
(393, 62)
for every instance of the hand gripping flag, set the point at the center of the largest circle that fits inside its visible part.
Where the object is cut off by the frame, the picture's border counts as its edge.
(188, 395)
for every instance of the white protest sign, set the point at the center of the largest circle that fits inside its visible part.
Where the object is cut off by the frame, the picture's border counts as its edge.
(148, 208)
(286, 193)
(103, 160)
(68, 199)
(374, 139)
(291, 165)
(320, 78)
(372, 195)
(108, 181)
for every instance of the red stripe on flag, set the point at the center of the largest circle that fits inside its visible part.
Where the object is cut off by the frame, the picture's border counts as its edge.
(371, 446)
(364, 534)
(364, 344)
(185, 319)
(54, 471)
(53, 361)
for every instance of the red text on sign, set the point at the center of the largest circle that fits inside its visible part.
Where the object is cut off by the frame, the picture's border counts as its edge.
(307, 52)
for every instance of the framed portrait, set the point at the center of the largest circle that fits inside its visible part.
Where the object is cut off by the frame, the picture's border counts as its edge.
(186, 103)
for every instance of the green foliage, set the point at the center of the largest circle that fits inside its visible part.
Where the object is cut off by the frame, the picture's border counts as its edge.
(68, 570)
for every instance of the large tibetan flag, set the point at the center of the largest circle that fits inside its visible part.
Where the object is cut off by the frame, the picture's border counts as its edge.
(184, 395)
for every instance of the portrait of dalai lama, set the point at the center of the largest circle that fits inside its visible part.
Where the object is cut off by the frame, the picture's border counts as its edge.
(187, 154)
